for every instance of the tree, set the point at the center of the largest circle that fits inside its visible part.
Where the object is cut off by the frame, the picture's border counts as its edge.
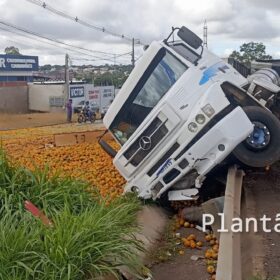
(249, 52)
(12, 50)
(46, 67)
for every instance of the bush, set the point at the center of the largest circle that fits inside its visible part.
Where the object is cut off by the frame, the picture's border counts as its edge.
(88, 239)
(50, 193)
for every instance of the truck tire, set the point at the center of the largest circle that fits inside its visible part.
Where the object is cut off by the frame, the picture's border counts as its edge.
(262, 146)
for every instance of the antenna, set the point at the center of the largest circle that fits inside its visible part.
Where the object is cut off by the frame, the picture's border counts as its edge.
(205, 34)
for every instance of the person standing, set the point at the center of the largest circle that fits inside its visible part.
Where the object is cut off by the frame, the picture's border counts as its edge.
(69, 110)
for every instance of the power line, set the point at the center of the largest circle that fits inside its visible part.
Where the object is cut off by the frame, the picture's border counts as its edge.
(44, 42)
(51, 39)
(88, 59)
(97, 58)
(138, 58)
(80, 21)
(77, 48)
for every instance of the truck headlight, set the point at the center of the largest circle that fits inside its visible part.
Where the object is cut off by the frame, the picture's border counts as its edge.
(135, 189)
(200, 119)
(208, 110)
(193, 127)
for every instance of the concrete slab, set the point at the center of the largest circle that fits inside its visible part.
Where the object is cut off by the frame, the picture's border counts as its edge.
(68, 139)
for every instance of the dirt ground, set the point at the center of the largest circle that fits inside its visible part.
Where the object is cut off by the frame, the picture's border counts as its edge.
(181, 267)
(264, 189)
(266, 195)
(17, 121)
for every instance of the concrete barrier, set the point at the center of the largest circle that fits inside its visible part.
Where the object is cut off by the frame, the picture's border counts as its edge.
(229, 259)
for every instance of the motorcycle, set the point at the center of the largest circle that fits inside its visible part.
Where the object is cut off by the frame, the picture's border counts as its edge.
(84, 117)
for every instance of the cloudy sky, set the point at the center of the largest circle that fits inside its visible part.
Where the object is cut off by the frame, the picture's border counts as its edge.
(230, 23)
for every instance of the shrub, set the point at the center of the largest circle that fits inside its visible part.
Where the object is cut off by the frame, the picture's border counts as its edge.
(88, 238)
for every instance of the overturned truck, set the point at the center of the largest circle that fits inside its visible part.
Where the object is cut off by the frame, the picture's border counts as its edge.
(183, 111)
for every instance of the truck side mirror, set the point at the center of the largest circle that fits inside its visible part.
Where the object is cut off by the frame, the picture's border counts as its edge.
(189, 37)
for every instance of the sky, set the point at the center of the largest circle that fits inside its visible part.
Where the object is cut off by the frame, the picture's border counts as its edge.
(230, 24)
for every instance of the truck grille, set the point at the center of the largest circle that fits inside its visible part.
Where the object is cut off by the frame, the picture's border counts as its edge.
(165, 157)
(146, 142)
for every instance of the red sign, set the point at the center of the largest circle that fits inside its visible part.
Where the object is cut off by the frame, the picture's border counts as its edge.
(93, 94)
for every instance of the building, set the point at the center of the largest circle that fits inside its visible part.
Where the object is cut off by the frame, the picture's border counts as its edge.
(18, 68)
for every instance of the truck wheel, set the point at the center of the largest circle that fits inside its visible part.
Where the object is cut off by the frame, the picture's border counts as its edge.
(261, 148)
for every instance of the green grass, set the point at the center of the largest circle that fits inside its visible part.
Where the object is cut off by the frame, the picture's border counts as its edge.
(88, 239)
(53, 193)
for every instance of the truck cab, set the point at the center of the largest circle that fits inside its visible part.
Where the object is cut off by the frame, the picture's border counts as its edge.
(179, 114)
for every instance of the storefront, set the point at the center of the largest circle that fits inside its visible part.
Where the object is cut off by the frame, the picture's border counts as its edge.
(18, 68)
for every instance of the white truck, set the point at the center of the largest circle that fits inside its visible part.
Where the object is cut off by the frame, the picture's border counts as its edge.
(183, 111)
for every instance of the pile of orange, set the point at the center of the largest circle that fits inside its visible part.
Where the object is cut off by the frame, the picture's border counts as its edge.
(33, 148)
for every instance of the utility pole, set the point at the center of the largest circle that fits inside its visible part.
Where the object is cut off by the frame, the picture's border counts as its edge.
(133, 54)
(114, 70)
(66, 90)
(205, 35)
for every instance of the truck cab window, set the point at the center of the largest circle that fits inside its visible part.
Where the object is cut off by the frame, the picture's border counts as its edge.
(163, 72)
(164, 76)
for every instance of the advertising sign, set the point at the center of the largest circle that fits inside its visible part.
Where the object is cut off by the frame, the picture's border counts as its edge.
(107, 95)
(77, 92)
(18, 63)
(94, 95)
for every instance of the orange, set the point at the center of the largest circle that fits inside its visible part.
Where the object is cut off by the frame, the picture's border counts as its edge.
(211, 269)
(186, 224)
(191, 237)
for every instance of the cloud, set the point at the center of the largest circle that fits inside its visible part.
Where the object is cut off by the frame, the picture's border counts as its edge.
(230, 23)
(227, 52)
(266, 5)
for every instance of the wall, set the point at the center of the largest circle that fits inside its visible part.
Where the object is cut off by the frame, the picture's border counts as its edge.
(13, 98)
(82, 92)
(40, 95)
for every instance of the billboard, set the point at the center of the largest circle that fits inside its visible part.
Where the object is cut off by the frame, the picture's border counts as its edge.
(107, 95)
(77, 92)
(18, 63)
(94, 95)
(102, 95)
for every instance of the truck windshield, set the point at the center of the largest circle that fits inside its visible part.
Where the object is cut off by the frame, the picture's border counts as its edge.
(163, 72)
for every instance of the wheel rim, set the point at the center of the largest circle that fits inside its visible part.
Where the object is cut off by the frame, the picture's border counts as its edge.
(260, 137)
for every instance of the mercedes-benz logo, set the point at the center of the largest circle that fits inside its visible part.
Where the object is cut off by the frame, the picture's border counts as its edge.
(145, 143)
